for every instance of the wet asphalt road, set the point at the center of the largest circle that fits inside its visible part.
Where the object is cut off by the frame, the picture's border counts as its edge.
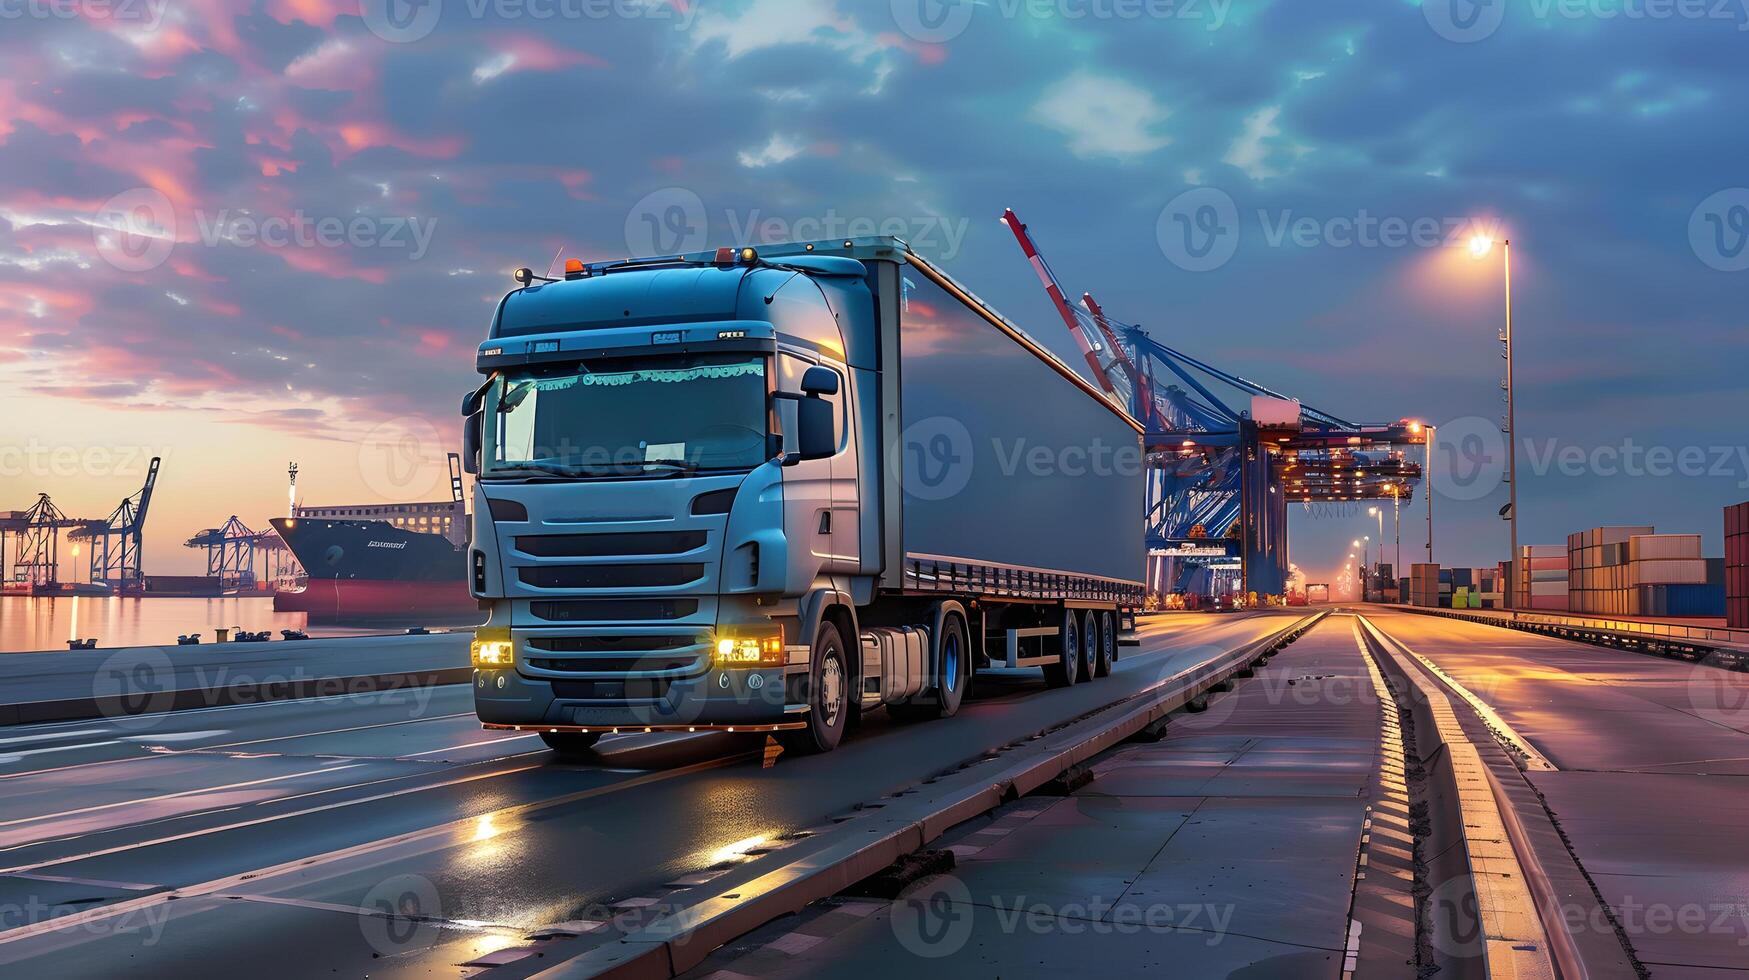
(1652, 780)
(274, 839)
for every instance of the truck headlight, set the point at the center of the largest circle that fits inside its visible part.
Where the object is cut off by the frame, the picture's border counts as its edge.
(750, 647)
(492, 648)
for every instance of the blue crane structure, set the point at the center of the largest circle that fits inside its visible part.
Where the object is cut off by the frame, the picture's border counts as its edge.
(1221, 472)
(116, 543)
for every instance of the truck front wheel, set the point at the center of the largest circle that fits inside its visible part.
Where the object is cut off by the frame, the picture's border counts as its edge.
(570, 744)
(828, 696)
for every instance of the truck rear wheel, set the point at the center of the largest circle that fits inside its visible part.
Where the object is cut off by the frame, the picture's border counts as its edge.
(1107, 652)
(1066, 670)
(1089, 664)
(570, 744)
(828, 697)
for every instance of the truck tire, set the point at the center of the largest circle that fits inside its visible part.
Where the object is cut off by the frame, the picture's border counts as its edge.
(955, 671)
(1066, 670)
(1089, 646)
(828, 696)
(569, 745)
(1107, 653)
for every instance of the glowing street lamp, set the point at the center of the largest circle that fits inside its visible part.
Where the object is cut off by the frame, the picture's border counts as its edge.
(1480, 246)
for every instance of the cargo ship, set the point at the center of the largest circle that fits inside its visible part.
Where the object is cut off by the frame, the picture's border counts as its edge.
(380, 562)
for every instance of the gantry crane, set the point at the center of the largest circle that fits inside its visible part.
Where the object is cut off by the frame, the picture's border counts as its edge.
(1220, 476)
(116, 543)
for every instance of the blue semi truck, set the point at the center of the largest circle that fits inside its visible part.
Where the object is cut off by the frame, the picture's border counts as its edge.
(771, 489)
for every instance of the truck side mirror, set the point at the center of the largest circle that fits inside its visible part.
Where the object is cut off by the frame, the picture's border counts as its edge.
(816, 427)
(819, 381)
(471, 443)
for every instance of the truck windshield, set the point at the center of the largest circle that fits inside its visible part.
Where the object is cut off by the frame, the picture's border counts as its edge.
(629, 417)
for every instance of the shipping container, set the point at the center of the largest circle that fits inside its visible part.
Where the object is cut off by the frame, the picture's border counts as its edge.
(1643, 547)
(1736, 565)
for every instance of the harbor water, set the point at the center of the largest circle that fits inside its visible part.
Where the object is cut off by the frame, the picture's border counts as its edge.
(41, 623)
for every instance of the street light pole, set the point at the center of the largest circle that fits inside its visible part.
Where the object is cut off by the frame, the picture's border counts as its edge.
(1512, 569)
(1427, 484)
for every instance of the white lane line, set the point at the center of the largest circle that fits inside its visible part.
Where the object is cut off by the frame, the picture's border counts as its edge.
(128, 886)
(178, 795)
(1533, 759)
(430, 838)
(244, 824)
(223, 745)
(50, 736)
(15, 756)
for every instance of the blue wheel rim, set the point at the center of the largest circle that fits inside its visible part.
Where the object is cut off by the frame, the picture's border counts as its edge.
(950, 661)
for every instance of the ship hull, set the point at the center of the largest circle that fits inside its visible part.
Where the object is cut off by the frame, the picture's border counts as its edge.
(372, 571)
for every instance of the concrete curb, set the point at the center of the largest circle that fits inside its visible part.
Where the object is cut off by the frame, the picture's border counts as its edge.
(1471, 837)
(281, 689)
(680, 941)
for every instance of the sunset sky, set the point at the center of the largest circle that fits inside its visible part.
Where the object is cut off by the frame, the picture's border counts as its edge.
(239, 234)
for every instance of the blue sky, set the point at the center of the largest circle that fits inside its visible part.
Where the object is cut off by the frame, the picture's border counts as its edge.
(238, 233)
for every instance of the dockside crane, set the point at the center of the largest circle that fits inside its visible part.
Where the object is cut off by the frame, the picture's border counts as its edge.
(116, 544)
(1220, 475)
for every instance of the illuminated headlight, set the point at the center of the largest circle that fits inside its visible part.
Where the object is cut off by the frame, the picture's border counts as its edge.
(750, 648)
(492, 648)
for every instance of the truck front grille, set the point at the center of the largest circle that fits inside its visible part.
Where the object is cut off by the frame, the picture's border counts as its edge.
(611, 610)
(624, 576)
(617, 545)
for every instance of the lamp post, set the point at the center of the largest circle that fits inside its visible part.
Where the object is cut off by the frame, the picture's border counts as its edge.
(1427, 482)
(1480, 246)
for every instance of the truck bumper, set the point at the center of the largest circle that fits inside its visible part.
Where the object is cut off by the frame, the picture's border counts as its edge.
(746, 700)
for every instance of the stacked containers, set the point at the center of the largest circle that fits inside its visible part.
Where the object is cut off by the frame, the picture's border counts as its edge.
(1544, 583)
(1737, 565)
(1424, 585)
(1597, 570)
(1630, 571)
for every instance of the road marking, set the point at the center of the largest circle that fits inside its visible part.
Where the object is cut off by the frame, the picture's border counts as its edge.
(15, 756)
(177, 795)
(1533, 759)
(49, 736)
(224, 745)
(463, 827)
(129, 886)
